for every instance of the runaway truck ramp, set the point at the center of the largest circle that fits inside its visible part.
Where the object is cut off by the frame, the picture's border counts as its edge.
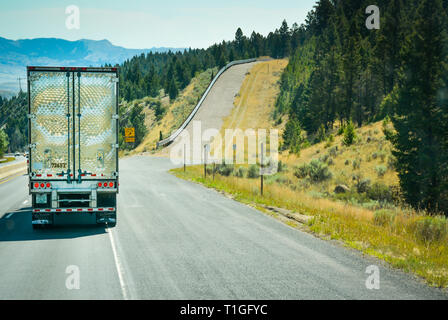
(215, 105)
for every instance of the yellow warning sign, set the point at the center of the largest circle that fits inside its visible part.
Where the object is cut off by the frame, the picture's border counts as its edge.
(129, 132)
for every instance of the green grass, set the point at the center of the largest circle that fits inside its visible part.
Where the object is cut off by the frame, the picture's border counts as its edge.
(8, 159)
(402, 240)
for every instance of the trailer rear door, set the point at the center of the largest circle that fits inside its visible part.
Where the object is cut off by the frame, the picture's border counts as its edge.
(73, 122)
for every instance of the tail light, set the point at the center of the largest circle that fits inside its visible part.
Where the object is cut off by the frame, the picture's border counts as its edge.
(100, 184)
(36, 185)
(48, 185)
(42, 185)
(111, 184)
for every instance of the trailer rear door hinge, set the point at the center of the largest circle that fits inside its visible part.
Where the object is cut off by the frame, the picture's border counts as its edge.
(115, 116)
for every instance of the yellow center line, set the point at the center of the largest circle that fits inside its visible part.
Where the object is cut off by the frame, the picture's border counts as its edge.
(12, 177)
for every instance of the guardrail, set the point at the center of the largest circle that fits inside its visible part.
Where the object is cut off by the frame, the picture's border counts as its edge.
(174, 135)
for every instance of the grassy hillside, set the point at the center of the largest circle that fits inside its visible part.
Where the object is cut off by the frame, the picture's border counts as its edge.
(349, 192)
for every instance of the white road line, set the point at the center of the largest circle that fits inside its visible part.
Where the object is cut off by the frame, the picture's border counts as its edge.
(118, 265)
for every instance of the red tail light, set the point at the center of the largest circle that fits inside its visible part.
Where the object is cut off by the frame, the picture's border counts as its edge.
(111, 184)
(36, 185)
(100, 184)
(48, 185)
(42, 185)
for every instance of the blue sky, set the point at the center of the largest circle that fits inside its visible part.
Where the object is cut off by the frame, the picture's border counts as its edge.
(144, 24)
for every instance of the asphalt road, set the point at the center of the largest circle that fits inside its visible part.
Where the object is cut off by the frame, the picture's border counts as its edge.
(178, 240)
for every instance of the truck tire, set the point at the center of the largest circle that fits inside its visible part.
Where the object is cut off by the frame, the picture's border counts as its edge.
(113, 224)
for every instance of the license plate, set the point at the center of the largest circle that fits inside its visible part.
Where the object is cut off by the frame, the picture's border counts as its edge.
(41, 198)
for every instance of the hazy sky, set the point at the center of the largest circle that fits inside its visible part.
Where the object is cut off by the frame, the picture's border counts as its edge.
(144, 24)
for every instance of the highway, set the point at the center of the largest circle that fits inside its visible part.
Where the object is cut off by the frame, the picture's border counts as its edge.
(179, 240)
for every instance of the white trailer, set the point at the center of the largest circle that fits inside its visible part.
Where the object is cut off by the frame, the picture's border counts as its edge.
(73, 144)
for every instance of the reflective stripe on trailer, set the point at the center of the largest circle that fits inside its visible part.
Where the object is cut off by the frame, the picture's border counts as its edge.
(74, 210)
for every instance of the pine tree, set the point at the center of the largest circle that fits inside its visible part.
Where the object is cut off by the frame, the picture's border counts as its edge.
(172, 89)
(420, 120)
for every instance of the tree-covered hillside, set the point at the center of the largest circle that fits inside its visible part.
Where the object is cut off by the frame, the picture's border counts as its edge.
(346, 72)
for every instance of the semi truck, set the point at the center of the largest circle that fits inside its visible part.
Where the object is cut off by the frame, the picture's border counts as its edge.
(73, 145)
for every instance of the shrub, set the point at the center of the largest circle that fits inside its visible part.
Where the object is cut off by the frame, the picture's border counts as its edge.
(333, 151)
(254, 172)
(383, 217)
(224, 169)
(330, 161)
(356, 163)
(380, 170)
(380, 191)
(347, 162)
(374, 155)
(241, 172)
(363, 185)
(431, 229)
(318, 171)
(301, 171)
(324, 158)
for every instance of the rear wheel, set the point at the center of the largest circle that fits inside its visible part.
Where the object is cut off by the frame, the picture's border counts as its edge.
(112, 224)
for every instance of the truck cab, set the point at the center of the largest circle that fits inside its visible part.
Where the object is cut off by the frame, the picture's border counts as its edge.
(73, 145)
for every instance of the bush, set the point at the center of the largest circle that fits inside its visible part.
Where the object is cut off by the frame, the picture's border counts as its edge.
(381, 192)
(254, 172)
(316, 170)
(347, 162)
(241, 172)
(301, 171)
(333, 151)
(363, 185)
(431, 229)
(224, 169)
(356, 163)
(380, 170)
(383, 217)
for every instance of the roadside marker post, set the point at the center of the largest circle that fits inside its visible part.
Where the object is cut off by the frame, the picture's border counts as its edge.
(261, 175)
(205, 160)
(184, 157)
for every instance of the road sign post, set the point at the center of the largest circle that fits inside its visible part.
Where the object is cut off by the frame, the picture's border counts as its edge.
(261, 175)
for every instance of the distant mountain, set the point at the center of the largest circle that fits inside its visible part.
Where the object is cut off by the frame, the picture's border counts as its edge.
(15, 55)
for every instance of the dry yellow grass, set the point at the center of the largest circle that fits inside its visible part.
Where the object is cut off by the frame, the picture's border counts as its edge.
(371, 148)
(256, 99)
